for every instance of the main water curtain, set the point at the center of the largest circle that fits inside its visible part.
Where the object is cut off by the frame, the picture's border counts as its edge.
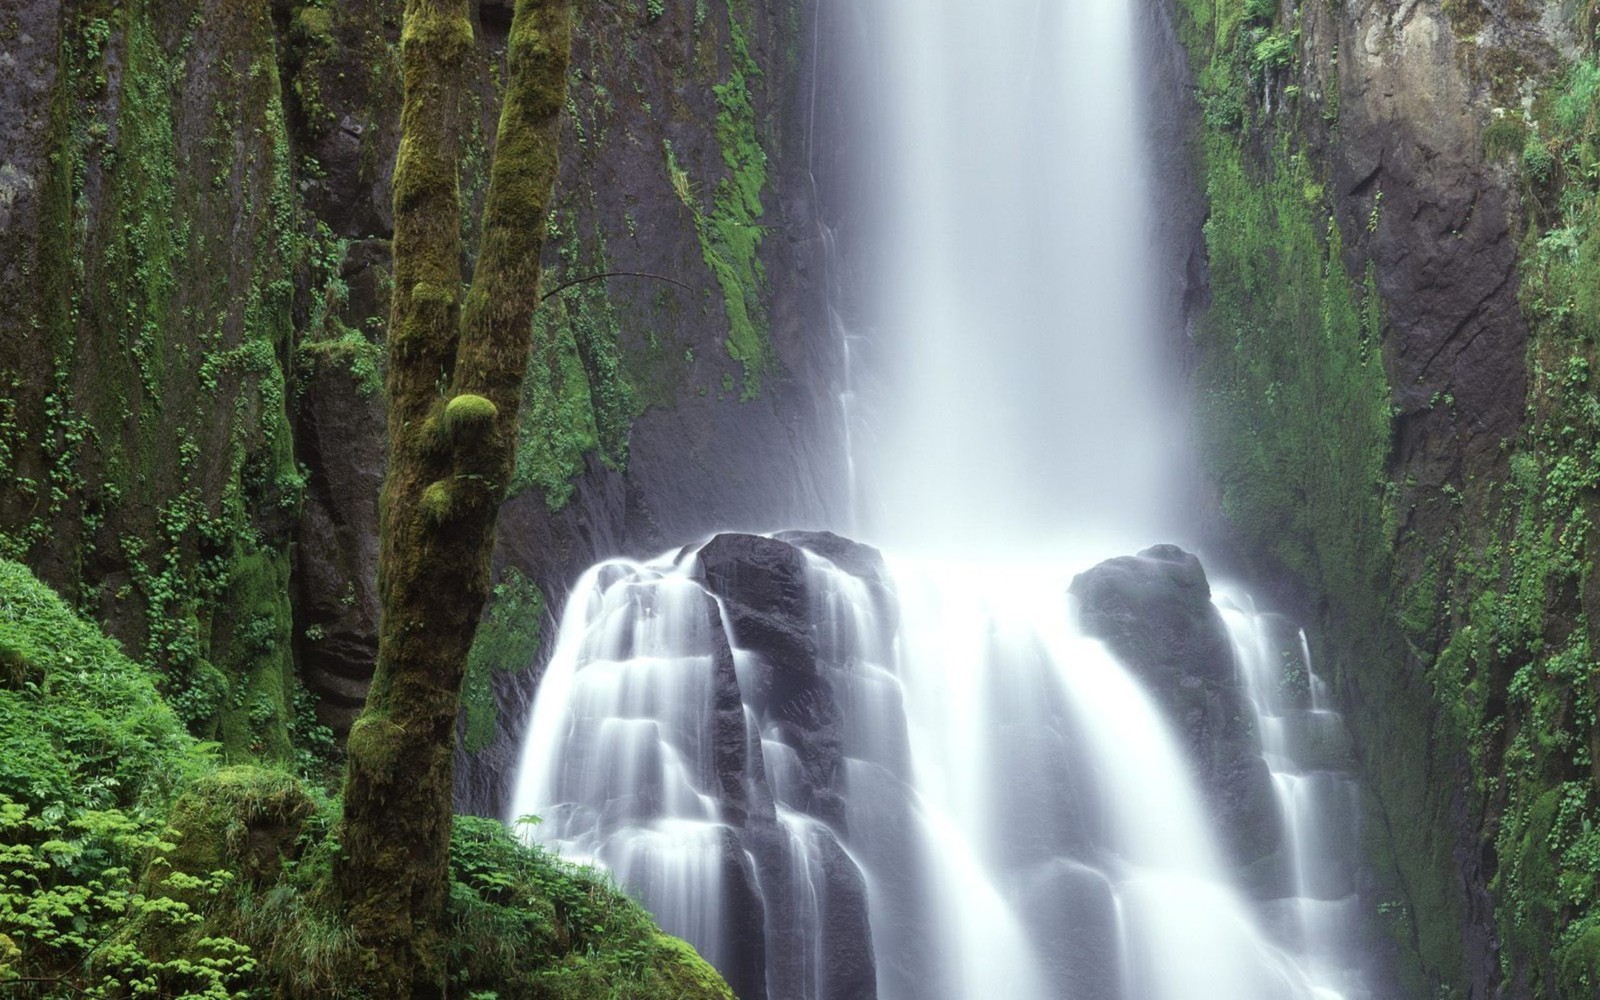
(1017, 397)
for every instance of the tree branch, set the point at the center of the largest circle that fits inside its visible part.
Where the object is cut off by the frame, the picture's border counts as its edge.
(615, 274)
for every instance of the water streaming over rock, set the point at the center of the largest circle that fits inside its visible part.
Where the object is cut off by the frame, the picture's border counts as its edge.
(841, 778)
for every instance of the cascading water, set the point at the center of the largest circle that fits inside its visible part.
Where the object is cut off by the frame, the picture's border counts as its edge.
(928, 781)
(842, 777)
(1307, 748)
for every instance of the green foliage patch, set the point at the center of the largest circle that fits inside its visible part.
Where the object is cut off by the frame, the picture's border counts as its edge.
(507, 640)
(1497, 616)
(576, 398)
(1528, 692)
(130, 865)
(1294, 422)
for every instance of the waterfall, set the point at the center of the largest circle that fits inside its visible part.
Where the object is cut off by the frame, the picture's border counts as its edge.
(1012, 315)
(1030, 772)
(915, 779)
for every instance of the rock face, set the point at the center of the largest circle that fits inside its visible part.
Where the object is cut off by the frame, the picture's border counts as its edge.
(193, 399)
(767, 606)
(687, 439)
(1154, 612)
(1424, 132)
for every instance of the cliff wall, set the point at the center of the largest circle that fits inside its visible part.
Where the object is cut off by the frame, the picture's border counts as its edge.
(1395, 399)
(193, 289)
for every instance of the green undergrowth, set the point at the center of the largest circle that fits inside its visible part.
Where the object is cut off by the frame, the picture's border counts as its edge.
(92, 759)
(132, 864)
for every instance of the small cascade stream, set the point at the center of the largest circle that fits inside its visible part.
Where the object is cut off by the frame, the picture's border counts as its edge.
(1307, 748)
(918, 780)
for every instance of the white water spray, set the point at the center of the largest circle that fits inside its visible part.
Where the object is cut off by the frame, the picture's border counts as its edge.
(1017, 818)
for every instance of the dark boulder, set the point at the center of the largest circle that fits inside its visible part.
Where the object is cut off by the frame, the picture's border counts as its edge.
(1154, 612)
(848, 968)
(743, 959)
(762, 584)
(859, 560)
(764, 588)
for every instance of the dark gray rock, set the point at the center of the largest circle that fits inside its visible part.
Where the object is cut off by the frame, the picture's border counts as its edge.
(762, 583)
(342, 434)
(743, 963)
(848, 968)
(1154, 612)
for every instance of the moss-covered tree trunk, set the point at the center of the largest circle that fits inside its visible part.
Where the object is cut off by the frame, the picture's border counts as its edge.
(454, 383)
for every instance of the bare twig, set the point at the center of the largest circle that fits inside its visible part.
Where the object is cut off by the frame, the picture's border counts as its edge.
(615, 274)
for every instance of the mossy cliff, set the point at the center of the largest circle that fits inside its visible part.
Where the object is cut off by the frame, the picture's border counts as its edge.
(659, 410)
(196, 283)
(1394, 379)
(148, 282)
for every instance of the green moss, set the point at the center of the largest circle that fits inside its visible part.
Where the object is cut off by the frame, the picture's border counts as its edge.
(576, 397)
(730, 236)
(467, 413)
(254, 640)
(351, 351)
(1578, 961)
(328, 340)
(1525, 605)
(376, 741)
(507, 640)
(683, 973)
(240, 819)
(315, 23)
(1299, 449)
(1505, 137)
(436, 503)
(730, 231)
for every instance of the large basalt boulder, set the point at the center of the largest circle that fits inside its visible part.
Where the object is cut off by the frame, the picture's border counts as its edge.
(861, 561)
(1154, 612)
(762, 584)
